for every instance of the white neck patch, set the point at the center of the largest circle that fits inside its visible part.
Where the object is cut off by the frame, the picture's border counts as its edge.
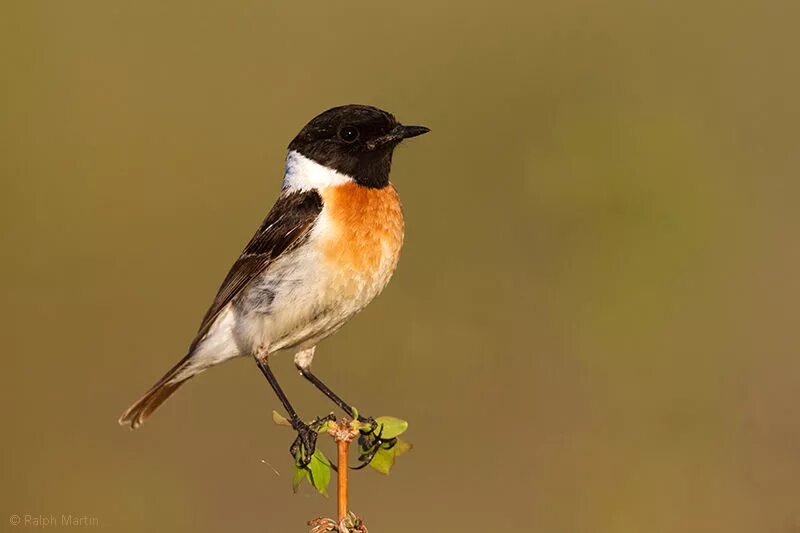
(304, 174)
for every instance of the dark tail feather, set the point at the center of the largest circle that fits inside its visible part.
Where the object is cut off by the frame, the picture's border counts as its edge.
(137, 413)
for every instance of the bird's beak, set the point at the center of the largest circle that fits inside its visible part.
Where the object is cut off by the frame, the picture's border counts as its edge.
(397, 134)
(406, 132)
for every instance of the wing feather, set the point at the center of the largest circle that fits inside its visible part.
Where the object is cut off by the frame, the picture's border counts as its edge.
(286, 227)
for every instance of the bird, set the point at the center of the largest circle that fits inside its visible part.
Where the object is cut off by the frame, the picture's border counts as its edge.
(326, 249)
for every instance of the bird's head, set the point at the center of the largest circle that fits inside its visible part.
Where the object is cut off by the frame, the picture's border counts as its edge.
(355, 140)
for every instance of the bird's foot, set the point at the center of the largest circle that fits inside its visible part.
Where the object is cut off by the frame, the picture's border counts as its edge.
(371, 441)
(304, 445)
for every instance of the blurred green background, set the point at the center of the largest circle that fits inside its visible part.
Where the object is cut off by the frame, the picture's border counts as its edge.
(593, 327)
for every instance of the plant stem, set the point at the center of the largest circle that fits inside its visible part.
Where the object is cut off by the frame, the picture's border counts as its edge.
(343, 433)
(341, 486)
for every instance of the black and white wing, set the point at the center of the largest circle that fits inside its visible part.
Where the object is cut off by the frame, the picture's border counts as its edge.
(286, 227)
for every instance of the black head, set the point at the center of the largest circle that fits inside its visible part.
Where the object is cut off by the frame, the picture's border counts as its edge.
(357, 140)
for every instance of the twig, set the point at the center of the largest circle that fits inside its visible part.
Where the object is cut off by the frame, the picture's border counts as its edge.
(343, 433)
(341, 481)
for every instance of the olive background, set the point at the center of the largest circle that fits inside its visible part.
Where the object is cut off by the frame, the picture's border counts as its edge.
(593, 327)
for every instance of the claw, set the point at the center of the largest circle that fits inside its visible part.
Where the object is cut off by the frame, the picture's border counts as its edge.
(318, 422)
(304, 445)
(362, 464)
(370, 442)
(373, 425)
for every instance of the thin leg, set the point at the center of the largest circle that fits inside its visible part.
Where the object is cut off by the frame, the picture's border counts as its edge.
(267, 371)
(370, 440)
(306, 440)
(306, 373)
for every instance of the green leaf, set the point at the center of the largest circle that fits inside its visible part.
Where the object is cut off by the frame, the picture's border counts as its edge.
(280, 420)
(392, 426)
(319, 472)
(362, 426)
(323, 428)
(298, 476)
(402, 447)
(383, 461)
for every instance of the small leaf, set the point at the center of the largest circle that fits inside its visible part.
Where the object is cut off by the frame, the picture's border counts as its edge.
(324, 427)
(383, 461)
(298, 476)
(392, 426)
(321, 457)
(319, 472)
(361, 426)
(402, 447)
(280, 420)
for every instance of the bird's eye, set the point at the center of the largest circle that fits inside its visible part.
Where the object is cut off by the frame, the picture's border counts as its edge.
(348, 134)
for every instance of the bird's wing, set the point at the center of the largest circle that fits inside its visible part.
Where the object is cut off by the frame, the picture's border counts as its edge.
(287, 226)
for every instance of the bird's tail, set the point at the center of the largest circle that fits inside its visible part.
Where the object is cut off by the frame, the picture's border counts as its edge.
(137, 413)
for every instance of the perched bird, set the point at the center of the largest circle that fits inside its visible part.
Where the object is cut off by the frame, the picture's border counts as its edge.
(327, 247)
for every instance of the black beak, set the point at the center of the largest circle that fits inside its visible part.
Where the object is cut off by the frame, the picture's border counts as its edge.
(397, 134)
(412, 131)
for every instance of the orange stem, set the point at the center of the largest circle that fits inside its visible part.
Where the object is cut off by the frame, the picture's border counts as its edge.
(341, 485)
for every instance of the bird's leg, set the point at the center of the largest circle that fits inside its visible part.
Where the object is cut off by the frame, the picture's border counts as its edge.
(370, 439)
(306, 441)
(344, 406)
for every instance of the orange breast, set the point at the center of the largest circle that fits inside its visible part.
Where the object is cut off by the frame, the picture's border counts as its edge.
(367, 227)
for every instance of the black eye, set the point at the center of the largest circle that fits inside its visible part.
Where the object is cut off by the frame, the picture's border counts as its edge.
(348, 134)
